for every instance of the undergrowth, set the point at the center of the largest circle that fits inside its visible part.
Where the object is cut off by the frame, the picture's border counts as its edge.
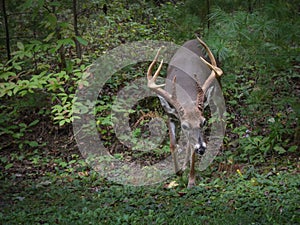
(86, 198)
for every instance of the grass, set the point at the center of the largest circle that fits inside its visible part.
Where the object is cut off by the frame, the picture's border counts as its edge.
(85, 198)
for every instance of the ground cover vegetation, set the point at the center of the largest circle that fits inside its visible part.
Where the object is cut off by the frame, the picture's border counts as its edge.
(45, 48)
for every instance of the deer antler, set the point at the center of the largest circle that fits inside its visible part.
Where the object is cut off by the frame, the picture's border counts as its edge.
(152, 79)
(213, 66)
(157, 88)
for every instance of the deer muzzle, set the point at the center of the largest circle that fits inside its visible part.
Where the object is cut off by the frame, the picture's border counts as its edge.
(196, 141)
(200, 148)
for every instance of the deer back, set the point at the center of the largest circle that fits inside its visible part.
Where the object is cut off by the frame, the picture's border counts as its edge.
(188, 69)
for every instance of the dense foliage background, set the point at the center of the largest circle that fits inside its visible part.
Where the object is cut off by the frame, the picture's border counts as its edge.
(45, 47)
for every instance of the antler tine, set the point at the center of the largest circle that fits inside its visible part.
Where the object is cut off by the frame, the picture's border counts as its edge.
(157, 73)
(212, 66)
(210, 55)
(149, 72)
(157, 88)
(208, 81)
(218, 71)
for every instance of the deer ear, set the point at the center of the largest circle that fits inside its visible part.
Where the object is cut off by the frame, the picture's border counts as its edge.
(200, 99)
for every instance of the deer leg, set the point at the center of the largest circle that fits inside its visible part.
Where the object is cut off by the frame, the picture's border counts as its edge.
(173, 145)
(192, 172)
(187, 156)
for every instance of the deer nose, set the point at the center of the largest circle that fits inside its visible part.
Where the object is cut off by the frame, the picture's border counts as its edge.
(200, 148)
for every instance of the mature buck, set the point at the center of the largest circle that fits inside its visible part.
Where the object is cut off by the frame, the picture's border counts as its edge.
(189, 77)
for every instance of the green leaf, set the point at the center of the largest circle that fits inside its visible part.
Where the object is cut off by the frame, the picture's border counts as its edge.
(279, 149)
(63, 164)
(27, 4)
(17, 66)
(82, 41)
(33, 143)
(52, 20)
(16, 89)
(9, 165)
(55, 3)
(49, 37)
(3, 159)
(20, 46)
(40, 3)
(23, 125)
(33, 123)
(62, 122)
(66, 41)
(293, 148)
(9, 93)
(6, 75)
(72, 161)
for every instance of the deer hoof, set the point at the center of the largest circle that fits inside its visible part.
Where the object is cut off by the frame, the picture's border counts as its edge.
(191, 183)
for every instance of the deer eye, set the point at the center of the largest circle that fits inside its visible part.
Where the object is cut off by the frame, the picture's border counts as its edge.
(184, 126)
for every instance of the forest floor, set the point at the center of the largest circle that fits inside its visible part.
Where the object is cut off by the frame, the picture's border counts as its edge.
(54, 185)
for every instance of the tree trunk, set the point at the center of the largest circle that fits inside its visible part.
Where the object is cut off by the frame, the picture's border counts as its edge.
(5, 21)
(207, 13)
(75, 24)
(61, 51)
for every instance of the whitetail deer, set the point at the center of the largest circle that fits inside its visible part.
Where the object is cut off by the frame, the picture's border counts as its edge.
(189, 77)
